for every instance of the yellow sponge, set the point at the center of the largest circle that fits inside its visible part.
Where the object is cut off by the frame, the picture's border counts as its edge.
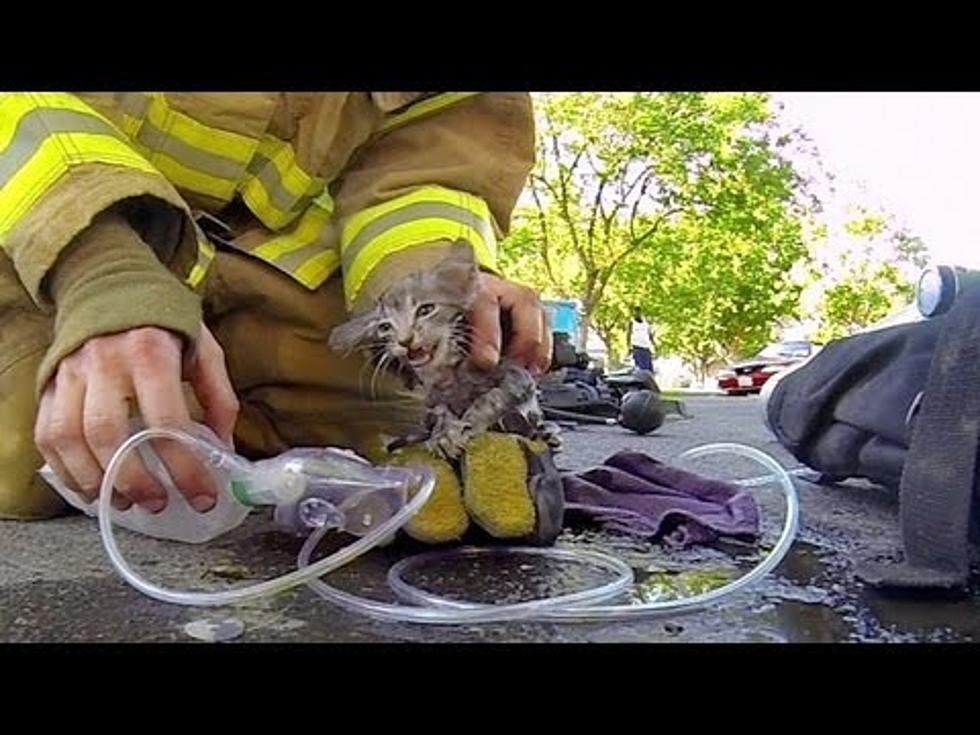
(495, 486)
(443, 518)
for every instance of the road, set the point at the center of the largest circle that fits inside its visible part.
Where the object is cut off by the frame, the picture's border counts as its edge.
(57, 585)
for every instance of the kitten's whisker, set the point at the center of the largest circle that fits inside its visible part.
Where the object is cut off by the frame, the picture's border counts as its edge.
(381, 364)
(380, 359)
(374, 376)
(363, 347)
(366, 365)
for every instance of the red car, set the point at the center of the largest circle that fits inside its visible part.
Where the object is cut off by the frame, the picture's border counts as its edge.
(750, 375)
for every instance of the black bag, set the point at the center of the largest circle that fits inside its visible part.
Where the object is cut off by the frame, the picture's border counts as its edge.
(901, 407)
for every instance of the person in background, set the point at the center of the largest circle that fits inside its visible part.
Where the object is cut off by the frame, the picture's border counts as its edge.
(641, 342)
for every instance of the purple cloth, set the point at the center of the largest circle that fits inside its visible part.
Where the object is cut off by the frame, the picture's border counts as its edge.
(635, 494)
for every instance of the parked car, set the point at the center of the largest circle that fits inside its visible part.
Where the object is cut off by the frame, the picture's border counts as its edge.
(750, 375)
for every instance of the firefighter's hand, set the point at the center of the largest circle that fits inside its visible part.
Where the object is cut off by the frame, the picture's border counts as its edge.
(530, 343)
(84, 413)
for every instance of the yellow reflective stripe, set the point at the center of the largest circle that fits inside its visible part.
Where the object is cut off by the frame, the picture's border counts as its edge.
(42, 136)
(193, 156)
(14, 105)
(130, 125)
(424, 195)
(291, 176)
(276, 188)
(307, 230)
(47, 151)
(425, 107)
(52, 161)
(184, 128)
(407, 236)
(318, 268)
(424, 216)
(34, 127)
(191, 179)
(205, 254)
(301, 253)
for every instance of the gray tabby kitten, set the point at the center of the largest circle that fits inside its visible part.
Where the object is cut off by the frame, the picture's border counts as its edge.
(420, 325)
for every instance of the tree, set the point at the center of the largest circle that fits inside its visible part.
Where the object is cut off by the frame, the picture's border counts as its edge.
(867, 270)
(597, 197)
(719, 295)
(685, 204)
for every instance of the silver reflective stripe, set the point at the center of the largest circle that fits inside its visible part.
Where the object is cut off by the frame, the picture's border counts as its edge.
(135, 104)
(213, 164)
(292, 260)
(36, 126)
(409, 214)
(265, 171)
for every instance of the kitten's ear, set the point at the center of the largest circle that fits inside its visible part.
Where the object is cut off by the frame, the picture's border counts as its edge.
(354, 332)
(459, 268)
(461, 254)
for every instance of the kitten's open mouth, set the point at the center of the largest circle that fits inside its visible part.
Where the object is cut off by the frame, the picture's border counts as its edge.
(419, 357)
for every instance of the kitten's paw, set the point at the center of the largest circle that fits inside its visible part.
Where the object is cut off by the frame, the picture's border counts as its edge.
(451, 438)
(550, 433)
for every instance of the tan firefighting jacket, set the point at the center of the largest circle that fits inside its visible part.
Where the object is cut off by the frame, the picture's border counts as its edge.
(314, 184)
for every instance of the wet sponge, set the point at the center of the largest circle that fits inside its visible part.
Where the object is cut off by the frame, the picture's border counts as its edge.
(495, 486)
(443, 518)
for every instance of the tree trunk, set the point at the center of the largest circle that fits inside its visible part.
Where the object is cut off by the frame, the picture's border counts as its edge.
(584, 326)
(609, 340)
(588, 305)
(702, 369)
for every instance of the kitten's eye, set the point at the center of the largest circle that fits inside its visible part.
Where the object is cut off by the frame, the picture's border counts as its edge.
(425, 310)
(384, 329)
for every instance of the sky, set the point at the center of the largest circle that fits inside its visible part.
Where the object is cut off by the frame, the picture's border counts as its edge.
(916, 154)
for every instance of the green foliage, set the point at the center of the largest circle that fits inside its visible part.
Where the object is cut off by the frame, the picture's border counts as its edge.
(686, 204)
(867, 272)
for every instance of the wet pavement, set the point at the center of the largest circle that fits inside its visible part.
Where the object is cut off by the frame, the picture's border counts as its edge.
(57, 585)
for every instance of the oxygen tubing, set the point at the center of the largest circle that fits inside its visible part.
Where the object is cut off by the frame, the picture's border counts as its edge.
(435, 610)
(249, 592)
(428, 608)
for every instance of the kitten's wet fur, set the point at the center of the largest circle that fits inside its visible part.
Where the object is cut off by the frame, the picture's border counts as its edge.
(420, 326)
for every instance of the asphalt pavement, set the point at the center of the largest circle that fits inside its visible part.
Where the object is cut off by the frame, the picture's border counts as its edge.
(56, 584)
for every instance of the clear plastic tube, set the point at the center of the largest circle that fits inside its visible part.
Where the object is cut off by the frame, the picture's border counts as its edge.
(433, 609)
(270, 587)
(581, 606)
(471, 613)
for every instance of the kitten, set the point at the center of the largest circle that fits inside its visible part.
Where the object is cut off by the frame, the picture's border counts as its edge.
(420, 325)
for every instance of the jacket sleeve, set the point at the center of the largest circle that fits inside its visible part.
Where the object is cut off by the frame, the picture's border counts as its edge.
(63, 167)
(441, 169)
(61, 164)
(107, 281)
